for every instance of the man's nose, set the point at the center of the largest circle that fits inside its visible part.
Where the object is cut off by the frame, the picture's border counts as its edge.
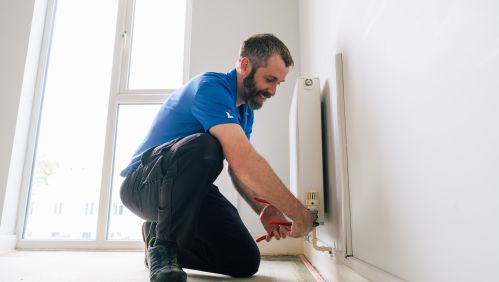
(272, 90)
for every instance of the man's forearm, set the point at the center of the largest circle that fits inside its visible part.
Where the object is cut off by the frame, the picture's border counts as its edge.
(256, 173)
(247, 194)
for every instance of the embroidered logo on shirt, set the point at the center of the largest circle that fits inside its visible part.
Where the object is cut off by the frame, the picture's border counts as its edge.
(228, 114)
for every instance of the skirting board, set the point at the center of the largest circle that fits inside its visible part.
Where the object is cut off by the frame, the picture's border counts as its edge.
(317, 276)
(371, 272)
(7, 243)
(336, 268)
(329, 267)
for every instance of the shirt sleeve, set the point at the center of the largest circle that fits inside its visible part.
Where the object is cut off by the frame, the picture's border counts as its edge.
(213, 104)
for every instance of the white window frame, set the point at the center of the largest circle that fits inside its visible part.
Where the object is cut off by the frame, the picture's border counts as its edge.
(119, 95)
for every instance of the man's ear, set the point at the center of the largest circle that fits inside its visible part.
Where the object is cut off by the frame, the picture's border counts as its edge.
(245, 66)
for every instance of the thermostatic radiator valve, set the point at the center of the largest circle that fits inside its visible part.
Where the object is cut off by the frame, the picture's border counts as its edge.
(312, 204)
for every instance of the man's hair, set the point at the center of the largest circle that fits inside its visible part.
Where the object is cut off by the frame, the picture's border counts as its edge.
(259, 47)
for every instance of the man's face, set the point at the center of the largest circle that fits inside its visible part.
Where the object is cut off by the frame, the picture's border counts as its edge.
(261, 83)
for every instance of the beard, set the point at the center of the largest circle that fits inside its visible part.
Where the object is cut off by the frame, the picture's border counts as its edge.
(251, 93)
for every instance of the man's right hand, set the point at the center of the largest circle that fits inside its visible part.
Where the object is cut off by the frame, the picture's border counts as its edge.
(302, 224)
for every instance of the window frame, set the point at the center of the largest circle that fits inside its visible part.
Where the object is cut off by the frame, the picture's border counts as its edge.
(119, 94)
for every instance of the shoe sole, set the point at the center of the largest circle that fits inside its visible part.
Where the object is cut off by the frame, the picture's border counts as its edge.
(169, 277)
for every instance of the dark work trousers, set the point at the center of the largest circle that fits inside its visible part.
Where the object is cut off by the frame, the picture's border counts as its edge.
(173, 186)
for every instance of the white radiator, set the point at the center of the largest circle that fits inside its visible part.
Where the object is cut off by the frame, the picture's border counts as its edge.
(305, 119)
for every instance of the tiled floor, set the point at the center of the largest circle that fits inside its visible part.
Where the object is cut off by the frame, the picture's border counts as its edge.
(54, 266)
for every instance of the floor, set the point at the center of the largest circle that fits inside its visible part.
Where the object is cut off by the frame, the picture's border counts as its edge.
(79, 266)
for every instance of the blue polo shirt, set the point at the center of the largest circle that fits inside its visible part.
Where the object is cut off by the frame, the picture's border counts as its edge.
(205, 101)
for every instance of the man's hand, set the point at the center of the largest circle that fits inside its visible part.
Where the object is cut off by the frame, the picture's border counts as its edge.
(269, 214)
(302, 224)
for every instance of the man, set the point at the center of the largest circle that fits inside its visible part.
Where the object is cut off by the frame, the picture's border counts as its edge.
(169, 182)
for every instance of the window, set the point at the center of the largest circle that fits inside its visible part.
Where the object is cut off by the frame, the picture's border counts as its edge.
(107, 67)
(155, 30)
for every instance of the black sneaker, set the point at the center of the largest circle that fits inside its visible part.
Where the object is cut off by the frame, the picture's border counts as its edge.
(163, 265)
(148, 232)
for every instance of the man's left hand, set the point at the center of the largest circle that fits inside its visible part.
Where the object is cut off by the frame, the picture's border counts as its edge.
(272, 214)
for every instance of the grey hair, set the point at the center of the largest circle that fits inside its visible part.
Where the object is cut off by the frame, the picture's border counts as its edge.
(259, 47)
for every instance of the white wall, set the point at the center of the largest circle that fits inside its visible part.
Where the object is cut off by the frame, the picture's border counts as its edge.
(422, 96)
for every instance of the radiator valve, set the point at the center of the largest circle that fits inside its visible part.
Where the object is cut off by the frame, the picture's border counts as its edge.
(312, 204)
